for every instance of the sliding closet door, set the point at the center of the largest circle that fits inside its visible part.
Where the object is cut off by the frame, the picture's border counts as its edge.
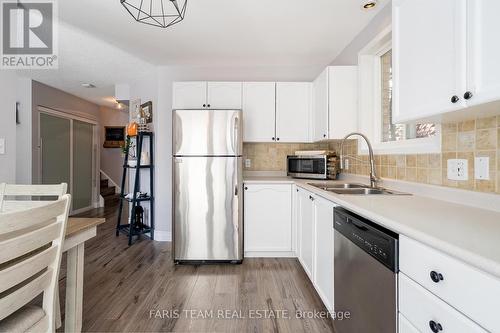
(55, 147)
(83, 164)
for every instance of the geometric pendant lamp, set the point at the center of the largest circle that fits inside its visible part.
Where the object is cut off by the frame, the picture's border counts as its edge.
(159, 13)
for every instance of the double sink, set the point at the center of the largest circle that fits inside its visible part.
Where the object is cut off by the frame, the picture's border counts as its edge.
(356, 189)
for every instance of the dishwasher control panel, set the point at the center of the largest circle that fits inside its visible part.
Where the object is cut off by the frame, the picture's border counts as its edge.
(380, 243)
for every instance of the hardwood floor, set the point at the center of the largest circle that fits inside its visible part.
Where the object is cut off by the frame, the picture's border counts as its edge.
(138, 288)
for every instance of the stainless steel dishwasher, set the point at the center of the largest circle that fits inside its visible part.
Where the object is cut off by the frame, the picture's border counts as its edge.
(365, 278)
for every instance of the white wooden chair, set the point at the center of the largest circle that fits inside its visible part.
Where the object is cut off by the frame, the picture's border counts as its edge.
(30, 257)
(19, 197)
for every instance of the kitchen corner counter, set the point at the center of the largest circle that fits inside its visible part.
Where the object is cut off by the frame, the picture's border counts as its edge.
(469, 234)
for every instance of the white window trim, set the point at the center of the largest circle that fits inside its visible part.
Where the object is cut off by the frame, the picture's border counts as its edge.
(369, 108)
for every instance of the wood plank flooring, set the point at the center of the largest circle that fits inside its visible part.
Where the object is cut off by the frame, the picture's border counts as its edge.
(139, 289)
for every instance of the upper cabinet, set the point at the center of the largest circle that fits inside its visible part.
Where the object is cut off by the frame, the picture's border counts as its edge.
(210, 95)
(335, 103)
(449, 63)
(293, 104)
(259, 105)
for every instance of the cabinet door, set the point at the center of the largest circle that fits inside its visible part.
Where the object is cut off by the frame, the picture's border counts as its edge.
(268, 217)
(293, 104)
(306, 231)
(320, 107)
(405, 326)
(343, 101)
(259, 107)
(224, 95)
(189, 95)
(483, 51)
(323, 250)
(429, 55)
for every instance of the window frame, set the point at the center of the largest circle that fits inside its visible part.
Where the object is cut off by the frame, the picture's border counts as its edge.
(370, 103)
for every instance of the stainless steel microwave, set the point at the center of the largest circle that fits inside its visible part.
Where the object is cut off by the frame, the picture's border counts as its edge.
(312, 166)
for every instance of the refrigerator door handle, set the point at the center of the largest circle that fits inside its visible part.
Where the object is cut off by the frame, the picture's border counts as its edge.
(235, 135)
(236, 190)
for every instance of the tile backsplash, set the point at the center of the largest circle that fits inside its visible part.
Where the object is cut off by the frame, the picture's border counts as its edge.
(463, 140)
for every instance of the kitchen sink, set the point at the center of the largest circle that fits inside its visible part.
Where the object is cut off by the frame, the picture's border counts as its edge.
(356, 189)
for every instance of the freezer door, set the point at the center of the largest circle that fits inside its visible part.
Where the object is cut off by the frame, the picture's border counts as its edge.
(207, 133)
(207, 211)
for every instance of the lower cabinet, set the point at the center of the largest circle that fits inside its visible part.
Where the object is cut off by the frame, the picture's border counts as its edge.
(315, 238)
(268, 220)
(323, 250)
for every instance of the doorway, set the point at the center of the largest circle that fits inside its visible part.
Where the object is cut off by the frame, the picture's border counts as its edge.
(68, 148)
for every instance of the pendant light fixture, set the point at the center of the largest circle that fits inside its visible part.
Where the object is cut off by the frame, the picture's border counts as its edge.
(159, 13)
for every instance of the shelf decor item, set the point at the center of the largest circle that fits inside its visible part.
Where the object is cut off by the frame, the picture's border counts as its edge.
(132, 129)
(159, 13)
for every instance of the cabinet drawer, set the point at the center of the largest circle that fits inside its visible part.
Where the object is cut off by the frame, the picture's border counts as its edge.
(424, 310)
(469, 290)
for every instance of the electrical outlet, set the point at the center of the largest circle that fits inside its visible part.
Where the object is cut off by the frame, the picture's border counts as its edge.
(458, 169)
(248, 163)
(2, 146)
(482, 168)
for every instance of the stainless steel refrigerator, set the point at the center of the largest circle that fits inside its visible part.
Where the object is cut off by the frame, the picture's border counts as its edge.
(207, 186)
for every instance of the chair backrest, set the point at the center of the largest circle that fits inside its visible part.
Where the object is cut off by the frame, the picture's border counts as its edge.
(19, 197)
(30, 256)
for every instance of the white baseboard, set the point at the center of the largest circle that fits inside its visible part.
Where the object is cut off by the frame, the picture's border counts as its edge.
(270, 254)
(163, 236)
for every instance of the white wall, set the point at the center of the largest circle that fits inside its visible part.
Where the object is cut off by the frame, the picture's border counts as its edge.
(349, 56)
(8, 82)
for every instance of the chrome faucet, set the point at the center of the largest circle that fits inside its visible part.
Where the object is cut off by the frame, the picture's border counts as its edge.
(373, 172)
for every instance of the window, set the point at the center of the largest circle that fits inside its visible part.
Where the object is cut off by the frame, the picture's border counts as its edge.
(391, 131)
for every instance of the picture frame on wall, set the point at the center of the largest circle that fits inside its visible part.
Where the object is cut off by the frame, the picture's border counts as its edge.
(147, 109)
(114, 136)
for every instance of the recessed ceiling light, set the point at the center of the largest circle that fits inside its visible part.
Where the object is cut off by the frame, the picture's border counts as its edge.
(369, 4)
(88, 85)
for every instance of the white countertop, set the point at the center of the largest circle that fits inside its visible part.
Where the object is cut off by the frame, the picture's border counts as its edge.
(464, 232)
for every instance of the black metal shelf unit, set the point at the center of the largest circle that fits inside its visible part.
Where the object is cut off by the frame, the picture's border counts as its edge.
(134, 228)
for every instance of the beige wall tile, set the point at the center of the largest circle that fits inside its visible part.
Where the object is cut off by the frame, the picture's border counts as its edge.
(466, 141)
(391, 172)
(449, 142)
(435, 177)
(449, 128)
(423, 175)
(411, 161)
(434, 160)
(401, 173)
(411, 174)
(466, 126)
(486, 123)
(400, 161)
(486, 139)
(486, 185)
(446, 181)
(422, 161)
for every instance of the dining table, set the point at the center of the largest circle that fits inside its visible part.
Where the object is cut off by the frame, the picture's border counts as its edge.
(78, 231)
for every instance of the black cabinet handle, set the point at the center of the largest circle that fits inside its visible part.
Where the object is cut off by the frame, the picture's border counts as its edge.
(208, 105)
(324, 135)
(277, 139)
(468, 95)
(273, 138)
(204, 105)
(246, 188)
(435, 327)
(436, 277)
(311, 197)
(455, 99)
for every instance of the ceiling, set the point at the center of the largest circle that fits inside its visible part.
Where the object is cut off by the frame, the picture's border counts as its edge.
(101, 43)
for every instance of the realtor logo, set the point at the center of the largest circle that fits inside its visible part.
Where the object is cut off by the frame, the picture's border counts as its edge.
(28, 34)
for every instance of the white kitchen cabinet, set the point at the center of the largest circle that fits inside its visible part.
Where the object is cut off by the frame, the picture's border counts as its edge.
(429, 62)
(405, 326)
(293, 105)
(323, 250)
(335, 103)
(306, 231)
(320, 108)
(448, 64)
(268, 220)
(210, 95)
(259, 105)
(189, 95)
(483, 51)
(224, 95)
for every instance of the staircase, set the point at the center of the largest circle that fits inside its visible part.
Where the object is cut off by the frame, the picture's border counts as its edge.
(108, 193)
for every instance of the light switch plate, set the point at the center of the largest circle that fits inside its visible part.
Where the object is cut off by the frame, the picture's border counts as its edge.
(458, 169)
(2, 146)
(346, 164)
(482, 168)
(248, 163)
